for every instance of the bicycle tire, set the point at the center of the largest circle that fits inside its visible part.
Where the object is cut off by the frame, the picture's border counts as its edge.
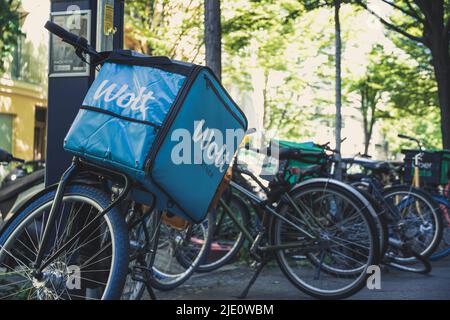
(114, 220)
(380, 218)
(373, 253)
(157, 281)
(244, 214)
(428, 200)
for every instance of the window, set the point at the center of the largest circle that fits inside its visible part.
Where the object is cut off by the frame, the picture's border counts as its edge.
(40, 125)
(6, 131)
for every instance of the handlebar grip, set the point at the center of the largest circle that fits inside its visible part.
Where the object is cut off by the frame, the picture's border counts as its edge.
(5, 156)
(402, 136)
(62, 33)
(294, 154)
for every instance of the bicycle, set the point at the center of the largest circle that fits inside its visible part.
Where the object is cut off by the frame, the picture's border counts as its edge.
(22, 181)
(321, 232)
(71, 240)
(437, 185)
(401, 249)
(230, 238)
(411, 214)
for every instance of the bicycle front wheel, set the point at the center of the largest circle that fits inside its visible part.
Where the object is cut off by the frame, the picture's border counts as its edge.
(93, 266)
(330, 261)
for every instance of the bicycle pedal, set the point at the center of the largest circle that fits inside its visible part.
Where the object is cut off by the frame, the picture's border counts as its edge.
(255, 264)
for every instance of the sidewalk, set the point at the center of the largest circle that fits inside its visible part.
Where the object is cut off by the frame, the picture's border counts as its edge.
(228, 282)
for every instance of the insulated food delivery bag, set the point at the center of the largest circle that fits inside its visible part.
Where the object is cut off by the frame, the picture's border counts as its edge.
(168, 124)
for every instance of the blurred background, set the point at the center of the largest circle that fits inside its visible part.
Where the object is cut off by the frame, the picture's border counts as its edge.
(278, 61)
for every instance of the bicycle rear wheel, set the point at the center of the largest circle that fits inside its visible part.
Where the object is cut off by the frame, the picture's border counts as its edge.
(380, 218)
(334, 264)
(443, 249)
(417, 221)
(179, 252)
(227, 238)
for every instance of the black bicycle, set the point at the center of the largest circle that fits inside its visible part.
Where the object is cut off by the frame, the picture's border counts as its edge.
(321, 231)
(410, 217)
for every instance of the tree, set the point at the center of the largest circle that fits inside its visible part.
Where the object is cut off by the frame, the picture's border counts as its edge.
(396, 90)
(338, 123)
(161, 27)
(314, 4)
(369, 95)
(426, 23)
(255, 39)
(370, 89)
(10, 18)
(213, 37)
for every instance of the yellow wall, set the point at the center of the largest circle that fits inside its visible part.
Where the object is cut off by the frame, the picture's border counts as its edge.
(20, 99)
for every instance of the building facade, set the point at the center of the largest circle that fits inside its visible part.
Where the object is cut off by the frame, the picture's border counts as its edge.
(23, 87)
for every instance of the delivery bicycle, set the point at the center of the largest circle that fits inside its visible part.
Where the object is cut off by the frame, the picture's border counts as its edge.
(72, 241)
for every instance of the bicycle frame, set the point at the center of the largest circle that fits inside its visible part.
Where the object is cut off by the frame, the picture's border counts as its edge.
(269, 209)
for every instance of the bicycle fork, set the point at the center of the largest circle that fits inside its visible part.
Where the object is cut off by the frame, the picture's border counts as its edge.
(65, 178)
(74, 168)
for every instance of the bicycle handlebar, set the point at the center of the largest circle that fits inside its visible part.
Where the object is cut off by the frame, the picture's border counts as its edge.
(403, 136)
(5, 156)
(285, 153)
(62, 33)
(74, 40)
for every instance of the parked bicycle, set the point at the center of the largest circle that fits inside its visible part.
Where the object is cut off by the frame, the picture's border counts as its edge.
(432, 174)
(72, 240)
(20, 183)
(321, 231)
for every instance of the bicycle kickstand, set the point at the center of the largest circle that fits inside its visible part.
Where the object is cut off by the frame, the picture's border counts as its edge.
(144, 277)
(424, 260)
(258, 270)
(406, 248)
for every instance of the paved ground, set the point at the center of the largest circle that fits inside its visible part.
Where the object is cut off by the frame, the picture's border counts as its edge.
(228, 282)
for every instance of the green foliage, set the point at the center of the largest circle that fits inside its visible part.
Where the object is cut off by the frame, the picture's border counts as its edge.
(9, 29)
(162, 27)
(401, 93)
(258, 32)
(411, 88)
(315, 4)
(426, 128)
(249, 18)
(284, 51)
(422, 30)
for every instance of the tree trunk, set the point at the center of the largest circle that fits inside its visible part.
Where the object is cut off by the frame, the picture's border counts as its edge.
(266, 115)
(338, 124)
(441, 64)
(438, 42)
(370, 131)
(366, 135)
(213, 36)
